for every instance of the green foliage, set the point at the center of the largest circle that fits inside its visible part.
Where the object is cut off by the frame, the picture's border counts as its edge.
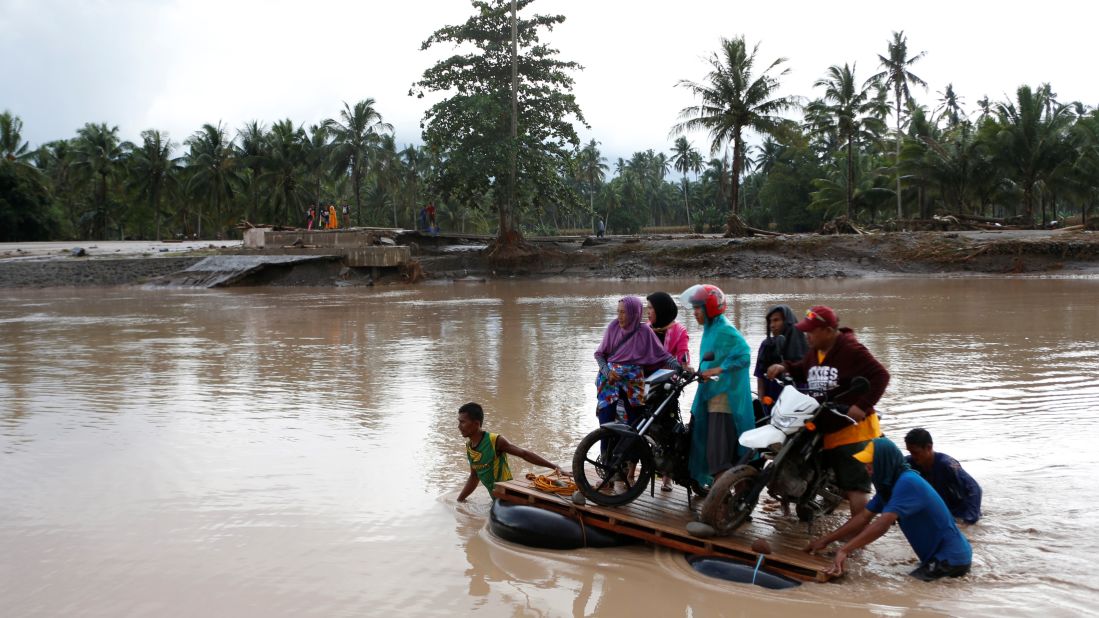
(26, 212)
(470, 129)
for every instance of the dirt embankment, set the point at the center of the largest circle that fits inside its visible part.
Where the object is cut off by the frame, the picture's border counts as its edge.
(795, 256)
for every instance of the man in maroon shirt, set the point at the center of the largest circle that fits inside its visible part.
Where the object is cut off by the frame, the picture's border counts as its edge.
(834, 359)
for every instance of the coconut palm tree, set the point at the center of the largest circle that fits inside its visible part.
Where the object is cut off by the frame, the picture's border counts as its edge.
(12, 146)
(353, 138)
(593, 168)
(847, 111)
(99, 157)
(896, 74)
(251, 151)
(212, 168)
(735, 99)
(285, 168)
(1030, 144)
(950, 107)
(686, 159)
(152, 169)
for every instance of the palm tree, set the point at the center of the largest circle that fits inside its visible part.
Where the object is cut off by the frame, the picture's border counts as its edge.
(950, 107)
(152, 168)
(99, 154)
(353, 138)
(251, 151)
(1031, 144)
(686, 159)
(212, 168)
(847, 111)
(416, 165)
(593, 168)
(284, 168)
(897, 75)
(12, 146)
(734, 100)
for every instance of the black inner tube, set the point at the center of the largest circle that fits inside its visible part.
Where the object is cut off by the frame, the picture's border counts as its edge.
(733, 571)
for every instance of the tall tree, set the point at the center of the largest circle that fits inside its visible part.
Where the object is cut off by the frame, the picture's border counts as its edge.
(471, 127)
(848, 110)
(12, 146)
(285, 168)
(251, 146)
(896, 73)
(213, 169)
(735, 99)
(152, 169)
(354, 136)
(593, 169)
(1030, 144)
(686, 159)
(99, 156)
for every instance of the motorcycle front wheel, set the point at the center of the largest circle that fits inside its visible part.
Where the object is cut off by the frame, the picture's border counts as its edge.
(729, 504)
(602, 466)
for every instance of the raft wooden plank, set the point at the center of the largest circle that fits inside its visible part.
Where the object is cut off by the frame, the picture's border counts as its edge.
(662, 520)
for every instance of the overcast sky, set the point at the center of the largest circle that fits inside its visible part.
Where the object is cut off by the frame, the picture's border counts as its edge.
(176, 64)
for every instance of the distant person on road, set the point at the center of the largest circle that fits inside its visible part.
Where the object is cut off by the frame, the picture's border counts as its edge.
(431, 225)
(333, 219)
(902, 497)
(310, 215)
(600, 230)
(958, 490)
(346, 211)
(780, 321)
(487, 452)
(323, 223)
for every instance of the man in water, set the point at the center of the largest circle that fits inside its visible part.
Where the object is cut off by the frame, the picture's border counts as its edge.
(904, 498)
(834, 359)
(487, 452)
(958, 490)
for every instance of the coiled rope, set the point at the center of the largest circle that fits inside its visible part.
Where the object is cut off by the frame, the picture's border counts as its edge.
(553, 483)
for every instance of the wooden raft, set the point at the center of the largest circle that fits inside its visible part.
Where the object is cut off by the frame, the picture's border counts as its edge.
(662, 520)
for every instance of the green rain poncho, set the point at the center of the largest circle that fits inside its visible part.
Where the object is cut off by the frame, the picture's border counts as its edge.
(732, 354)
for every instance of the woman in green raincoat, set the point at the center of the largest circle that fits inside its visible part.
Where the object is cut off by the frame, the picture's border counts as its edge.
(722, 409)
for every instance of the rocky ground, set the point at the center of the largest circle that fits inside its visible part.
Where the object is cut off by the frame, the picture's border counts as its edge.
(794, 256)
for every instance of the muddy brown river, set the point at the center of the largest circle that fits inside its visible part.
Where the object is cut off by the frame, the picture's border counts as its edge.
(295, 452)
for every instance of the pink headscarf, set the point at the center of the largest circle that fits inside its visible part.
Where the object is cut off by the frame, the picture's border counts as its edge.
(636, 344)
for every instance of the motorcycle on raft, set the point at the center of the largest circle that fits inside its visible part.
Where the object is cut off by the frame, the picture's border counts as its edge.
(784, 458)
(607, 459)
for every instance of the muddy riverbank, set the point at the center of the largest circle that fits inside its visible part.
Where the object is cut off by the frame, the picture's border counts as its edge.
(787, 257)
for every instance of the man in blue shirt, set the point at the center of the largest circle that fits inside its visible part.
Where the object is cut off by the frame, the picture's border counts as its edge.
(903, 497)
(961, 493)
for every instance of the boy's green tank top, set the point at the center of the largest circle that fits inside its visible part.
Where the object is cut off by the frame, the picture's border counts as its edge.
(489, 465)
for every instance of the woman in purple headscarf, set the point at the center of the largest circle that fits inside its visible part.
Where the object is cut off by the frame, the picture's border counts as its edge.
(629, 347)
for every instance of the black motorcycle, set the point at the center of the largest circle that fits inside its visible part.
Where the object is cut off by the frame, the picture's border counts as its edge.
(613, 464)
(784, 458)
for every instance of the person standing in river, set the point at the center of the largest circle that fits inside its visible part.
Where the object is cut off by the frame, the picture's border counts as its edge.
(960, 491)
(901, 497)
(488, 452)
(834, 359)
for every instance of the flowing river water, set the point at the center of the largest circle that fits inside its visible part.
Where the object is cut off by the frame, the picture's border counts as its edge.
(295, 452)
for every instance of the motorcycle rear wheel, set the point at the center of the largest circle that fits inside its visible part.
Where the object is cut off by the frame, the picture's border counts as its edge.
(728, 505)
(605, 478)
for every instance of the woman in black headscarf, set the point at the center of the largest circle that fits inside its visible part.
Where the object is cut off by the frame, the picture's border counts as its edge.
(780, 321)
(662, 314)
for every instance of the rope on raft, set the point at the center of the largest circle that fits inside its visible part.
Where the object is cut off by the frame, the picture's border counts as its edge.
(553, 483)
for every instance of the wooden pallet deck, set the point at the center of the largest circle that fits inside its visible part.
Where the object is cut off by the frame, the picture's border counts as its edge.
(662, 520)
